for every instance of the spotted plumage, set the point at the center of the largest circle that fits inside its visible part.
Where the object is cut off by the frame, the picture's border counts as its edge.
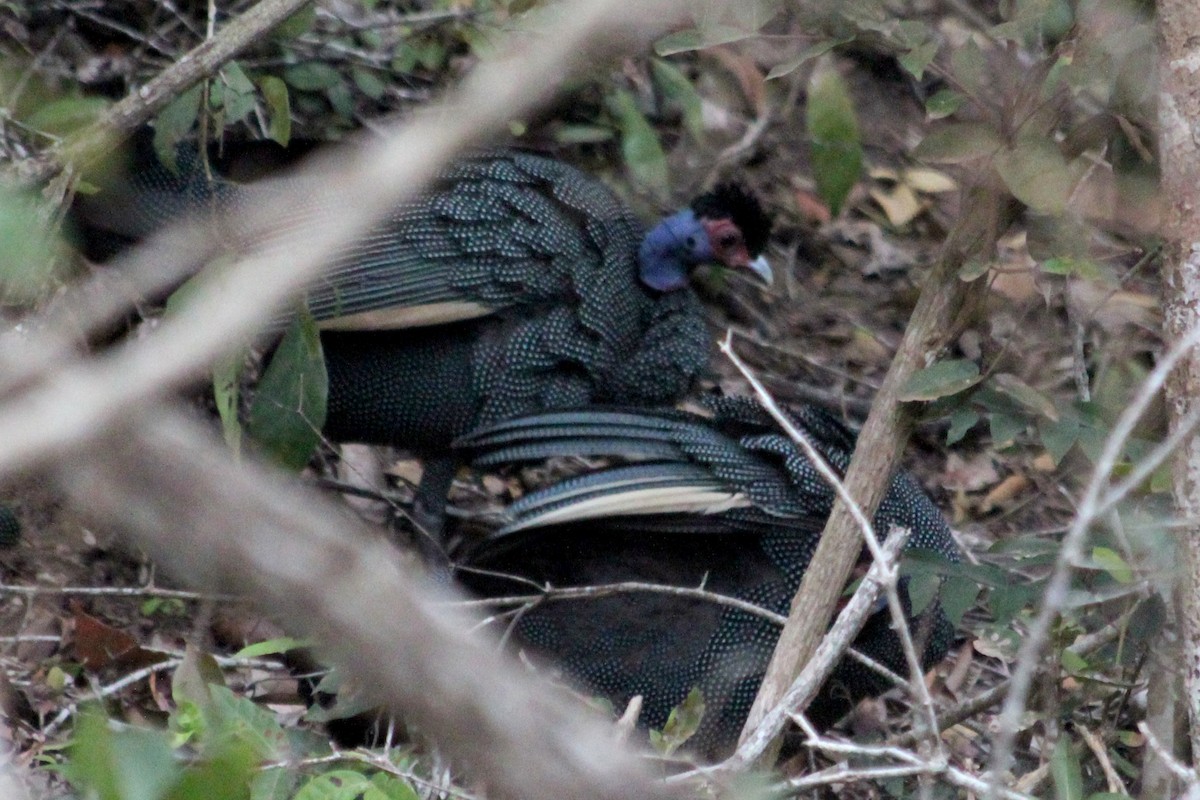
(515, 284)
(729, 503)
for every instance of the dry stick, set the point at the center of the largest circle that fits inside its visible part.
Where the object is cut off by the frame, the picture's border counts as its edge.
(1178, 116)
(136, 109)
(877, 455)
(890, 573)
(228, 527)
(1091, 506)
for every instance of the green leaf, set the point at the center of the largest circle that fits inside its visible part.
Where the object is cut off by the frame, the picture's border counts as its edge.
(676, 87)
(1038, 175)
(279, 108)
(368, 82)
(1025, 395)
(338, 784)
(313, 76)
(1082, 267)
(31, 254)
(961, 421)
(1005, 428)
(943, 103)
(195, 677)
(958, 142)
(973, 269)
(274, 784)
(226, 382)
(640, 148)
(922, 590)
(941, 379)
(174, 123)
(697, 39)
(1112, 563)
(131, 764)
(272, 647)
(66, 115)
(1058, 437)
(833, 131)
(918, 58)
(807, 54)
(583, 134)
(289, 409)
(238, 98)
(297, 24)
(390, 787)
(682, 723)
(221, 775)
(1065, 769)
(969, 67)
(957, 596)
(1074, 663)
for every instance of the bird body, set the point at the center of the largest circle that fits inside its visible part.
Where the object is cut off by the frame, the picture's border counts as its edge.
(513, 285)
(729, 504)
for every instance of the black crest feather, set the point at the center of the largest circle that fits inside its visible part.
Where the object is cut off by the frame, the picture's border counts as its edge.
(733, 201)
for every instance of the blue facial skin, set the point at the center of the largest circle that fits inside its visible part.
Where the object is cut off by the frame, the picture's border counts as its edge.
(676, 244)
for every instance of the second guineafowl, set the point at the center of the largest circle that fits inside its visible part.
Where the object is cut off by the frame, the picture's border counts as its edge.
(729, 504)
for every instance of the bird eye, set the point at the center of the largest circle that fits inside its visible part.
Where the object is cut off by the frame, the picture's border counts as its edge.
(691, 242)
(728, 240)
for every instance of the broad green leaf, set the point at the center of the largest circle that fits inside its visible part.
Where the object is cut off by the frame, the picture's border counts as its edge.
(1058, 437)
(961, 421)
(969, 67)
(957, 596)
(583, 134)
(1005, 428)
(1112, 563)
(941, 379)
(833, 132)
(958, 142)
(943, 103)
(312, 76)
(288, 412)
(974, 269)
(222, 775)
(226, 381)
(697, 39)
(676, 86)
(640, 148)
(195, 677)
(1038, 175)
(368, 82)
(32, 254)
(272, 647)
(1074, 663)
(806, 55)
(1083, 267)
(237, 97)
(1065, 769)
(682, 723)
(389, 787)
(922, 590)
(297, 24)
(338, 784)
(174, 123)
(279, 108)
(274, 784)
(130, 764)
(66, 115)
(1025, 395)
(918, 58)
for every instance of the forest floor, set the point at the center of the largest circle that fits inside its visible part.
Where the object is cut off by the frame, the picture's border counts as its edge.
(80, 614)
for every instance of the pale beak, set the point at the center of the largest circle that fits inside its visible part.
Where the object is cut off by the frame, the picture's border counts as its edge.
(762, 268)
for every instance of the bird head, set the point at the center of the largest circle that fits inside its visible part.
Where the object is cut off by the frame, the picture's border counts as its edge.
(726, 226)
